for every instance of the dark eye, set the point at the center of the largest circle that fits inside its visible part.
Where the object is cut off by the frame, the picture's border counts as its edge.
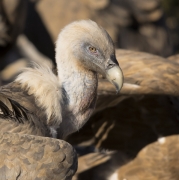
(93, 49)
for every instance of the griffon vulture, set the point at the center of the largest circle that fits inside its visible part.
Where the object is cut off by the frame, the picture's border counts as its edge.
(38, 103)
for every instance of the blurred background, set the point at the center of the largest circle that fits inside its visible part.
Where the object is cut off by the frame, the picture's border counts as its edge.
(28, 31)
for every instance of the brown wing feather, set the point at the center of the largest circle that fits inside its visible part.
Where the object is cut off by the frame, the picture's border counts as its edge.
(33, 157)
(14, 92)
(19, 112)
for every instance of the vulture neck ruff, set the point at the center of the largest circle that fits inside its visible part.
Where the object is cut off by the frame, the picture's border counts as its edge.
(41, 83)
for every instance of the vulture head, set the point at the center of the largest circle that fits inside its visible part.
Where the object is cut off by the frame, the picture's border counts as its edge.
(83, 50)
(89, 47)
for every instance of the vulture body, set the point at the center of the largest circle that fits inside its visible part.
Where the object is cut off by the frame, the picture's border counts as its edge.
(156, 161)
(39, 103)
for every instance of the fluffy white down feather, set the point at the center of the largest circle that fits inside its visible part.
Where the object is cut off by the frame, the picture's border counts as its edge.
(44, 85)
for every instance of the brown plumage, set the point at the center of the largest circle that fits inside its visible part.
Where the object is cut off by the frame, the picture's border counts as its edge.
(17, 108)
(156, 161)
(27, 157)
